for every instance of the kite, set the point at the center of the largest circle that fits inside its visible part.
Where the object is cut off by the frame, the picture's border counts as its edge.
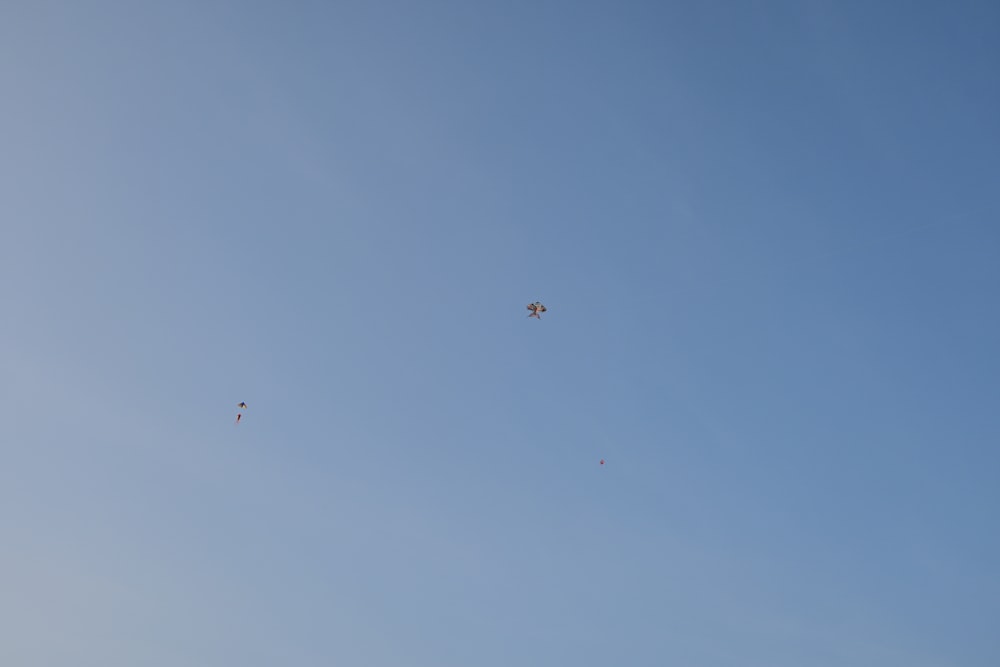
(239, 415)
(536, 309)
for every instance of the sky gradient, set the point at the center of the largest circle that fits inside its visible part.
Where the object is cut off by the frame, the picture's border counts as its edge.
(767, 238)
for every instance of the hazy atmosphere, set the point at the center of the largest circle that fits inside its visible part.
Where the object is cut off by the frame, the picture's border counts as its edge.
(767, 238)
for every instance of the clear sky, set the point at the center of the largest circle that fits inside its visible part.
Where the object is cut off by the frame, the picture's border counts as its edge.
(767, 237)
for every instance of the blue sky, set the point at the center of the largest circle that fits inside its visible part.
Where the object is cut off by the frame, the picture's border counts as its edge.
(767, 240)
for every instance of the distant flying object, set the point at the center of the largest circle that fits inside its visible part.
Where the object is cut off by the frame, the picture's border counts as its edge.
(241, 405)
(536, 309)
(239, 415)
(602, 461)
